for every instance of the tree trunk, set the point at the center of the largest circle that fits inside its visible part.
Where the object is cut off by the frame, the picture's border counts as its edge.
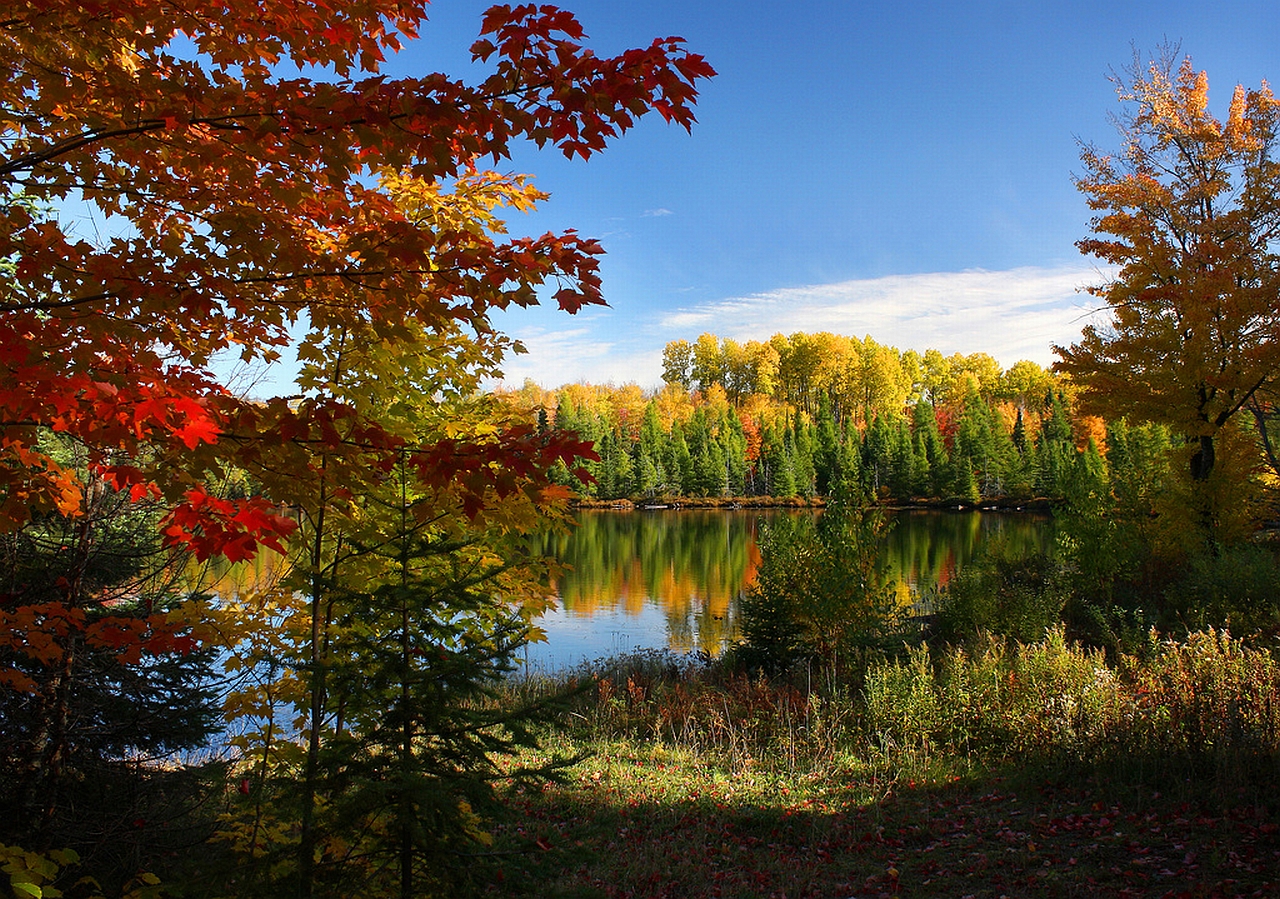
(1202, 460)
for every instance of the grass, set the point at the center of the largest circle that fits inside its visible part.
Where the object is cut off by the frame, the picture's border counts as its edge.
(648, 821)
(949, 777)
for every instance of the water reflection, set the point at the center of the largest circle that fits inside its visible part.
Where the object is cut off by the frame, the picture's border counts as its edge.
(672, 579)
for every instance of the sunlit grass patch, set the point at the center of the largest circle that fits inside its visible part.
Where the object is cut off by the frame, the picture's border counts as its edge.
(1012, 769)
(639, 820)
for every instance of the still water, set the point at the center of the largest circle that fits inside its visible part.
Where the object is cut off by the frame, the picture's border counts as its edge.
(668, 579)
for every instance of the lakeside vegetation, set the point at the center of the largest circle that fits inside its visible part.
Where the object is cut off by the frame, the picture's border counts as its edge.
(1041, 769)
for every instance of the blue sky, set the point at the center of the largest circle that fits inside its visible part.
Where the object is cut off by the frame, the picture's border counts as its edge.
(902, 170)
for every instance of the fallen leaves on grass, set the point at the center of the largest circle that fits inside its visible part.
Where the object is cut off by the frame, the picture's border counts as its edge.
(647, 827)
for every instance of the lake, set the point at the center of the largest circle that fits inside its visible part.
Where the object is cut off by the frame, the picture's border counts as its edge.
(671, 579)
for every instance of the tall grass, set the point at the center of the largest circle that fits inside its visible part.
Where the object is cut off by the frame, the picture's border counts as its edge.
(1208, 703)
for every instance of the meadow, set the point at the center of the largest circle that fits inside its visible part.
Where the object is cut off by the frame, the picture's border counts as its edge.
(1041, 769)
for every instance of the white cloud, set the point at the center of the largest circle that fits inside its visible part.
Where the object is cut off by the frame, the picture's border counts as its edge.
(1014, 314)
(583, 354)
(654, 213)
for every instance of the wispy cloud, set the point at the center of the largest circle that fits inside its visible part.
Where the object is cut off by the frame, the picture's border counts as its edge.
(1014, 314)
(654, 213)
(556, 357)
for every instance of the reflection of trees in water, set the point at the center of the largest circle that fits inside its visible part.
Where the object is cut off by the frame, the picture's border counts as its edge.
(691, 564)
(694, 564)
(234, 580)
(926, 548)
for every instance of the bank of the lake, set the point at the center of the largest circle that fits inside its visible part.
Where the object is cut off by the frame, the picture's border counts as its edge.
(1039, 770)
(1038, 505)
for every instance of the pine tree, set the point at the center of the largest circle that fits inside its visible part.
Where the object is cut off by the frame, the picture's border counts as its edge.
(826, 457)
(679, 462)
(902, 474)
(983, 444)
(877, 461)
(733, 443)
(849, 465)
(422, 638)
(932, 469)
(650, 471)
(1055, 450)
(802, 456)
(778, 463)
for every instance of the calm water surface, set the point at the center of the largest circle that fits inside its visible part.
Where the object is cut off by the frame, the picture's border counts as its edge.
(670, 579)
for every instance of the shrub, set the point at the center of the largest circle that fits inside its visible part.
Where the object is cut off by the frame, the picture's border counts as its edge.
(1210, 697)
(1019, 598)
(821, 593)
(1237, 588)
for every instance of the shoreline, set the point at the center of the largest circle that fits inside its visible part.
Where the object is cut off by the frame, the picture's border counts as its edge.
(1038, 505)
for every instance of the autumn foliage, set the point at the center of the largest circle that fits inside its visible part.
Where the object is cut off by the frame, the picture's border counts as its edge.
(238, 203)
(1185, 211)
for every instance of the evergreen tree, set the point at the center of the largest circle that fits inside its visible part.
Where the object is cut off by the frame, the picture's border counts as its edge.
(802, 456)
(921, 471)
(849, 464)
(1089, 472)
(733, 442)
(778, 464)
(932, 459)
(1020, 475)
(877, 459)
(615, 470)
(679, 463)
(902, 474)
(826, 455)
(983, 446)
(964, 482)
(650, 472)
(1055, 450)
(1138, 460)
(1019, 435)
(422, 640)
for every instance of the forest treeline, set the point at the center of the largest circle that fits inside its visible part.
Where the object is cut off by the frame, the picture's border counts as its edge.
(801, 415)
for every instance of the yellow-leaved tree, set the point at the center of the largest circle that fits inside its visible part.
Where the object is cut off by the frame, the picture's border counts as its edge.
(1188, 213)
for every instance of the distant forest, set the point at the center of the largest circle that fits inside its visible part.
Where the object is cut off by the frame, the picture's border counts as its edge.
(801, 415)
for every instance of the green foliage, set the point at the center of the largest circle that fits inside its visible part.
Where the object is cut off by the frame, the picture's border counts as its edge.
(1237, 588)
(820, 591)
(832, 413)
(733, 718)
(389, 653)
(37, 875)
(1205, 705)
(1055, 449)
(982, 452)
(1012, 596)
(1210, 697)
(100, 669)
(32, 874)
(421, 648)
(1133, 558)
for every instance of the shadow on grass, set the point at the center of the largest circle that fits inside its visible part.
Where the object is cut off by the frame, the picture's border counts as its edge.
(643, 823)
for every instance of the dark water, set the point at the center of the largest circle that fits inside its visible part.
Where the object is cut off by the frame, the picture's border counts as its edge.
(672, 580)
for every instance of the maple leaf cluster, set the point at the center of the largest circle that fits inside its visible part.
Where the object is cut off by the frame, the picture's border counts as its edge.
(238, 203)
